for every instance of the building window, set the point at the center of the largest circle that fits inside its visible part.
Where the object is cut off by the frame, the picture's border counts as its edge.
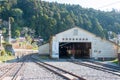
(69, 38)
(83, 38)
(66, 38)
(95, 50)
(76, 38)
(99, 51)
(86, 38)
(73, 38)
(62, 38)
(75, 33)
(80, 39)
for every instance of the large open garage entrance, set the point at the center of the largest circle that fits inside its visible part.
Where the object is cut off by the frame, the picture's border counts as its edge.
(76, 49)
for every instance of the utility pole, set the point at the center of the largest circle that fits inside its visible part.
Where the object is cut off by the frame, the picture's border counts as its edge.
(9, 31)
(0, 34)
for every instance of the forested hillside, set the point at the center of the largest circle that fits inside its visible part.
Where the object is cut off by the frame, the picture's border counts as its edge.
(39, 18)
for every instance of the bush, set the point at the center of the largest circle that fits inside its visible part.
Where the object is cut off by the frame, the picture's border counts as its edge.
(3, 52)
(8, 48)
(9, 53)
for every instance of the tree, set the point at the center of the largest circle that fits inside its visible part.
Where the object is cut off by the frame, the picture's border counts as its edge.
(17, 33)
(17, 13)
(47, 19)
(98, 28)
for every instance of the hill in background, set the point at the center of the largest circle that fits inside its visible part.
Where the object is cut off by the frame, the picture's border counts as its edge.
(39, 18)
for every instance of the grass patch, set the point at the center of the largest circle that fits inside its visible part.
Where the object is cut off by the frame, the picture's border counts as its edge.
(36, 48)
(44, 57)
(5, 58)
(115, 61)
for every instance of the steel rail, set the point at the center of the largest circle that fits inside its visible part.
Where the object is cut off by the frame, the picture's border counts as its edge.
(46, 65)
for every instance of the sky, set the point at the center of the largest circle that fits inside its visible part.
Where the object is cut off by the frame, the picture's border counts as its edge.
(104, 5)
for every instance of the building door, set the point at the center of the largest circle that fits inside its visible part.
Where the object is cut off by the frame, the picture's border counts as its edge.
(78, 49)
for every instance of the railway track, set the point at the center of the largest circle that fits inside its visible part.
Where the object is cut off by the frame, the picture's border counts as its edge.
(104, 65)
(6, 67)
(97, 66)
(63, 73)
(12, 71)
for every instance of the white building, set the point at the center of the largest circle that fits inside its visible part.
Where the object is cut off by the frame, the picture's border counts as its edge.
(80, 44)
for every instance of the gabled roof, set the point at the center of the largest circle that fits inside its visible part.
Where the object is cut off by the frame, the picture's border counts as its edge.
(77, 28)
(88, 33)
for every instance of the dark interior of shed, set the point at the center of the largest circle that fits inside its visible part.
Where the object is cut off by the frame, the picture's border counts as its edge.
(74, 49)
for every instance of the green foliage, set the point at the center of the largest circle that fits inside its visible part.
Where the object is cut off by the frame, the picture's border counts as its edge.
(17, 32)
(8, 48)
(11, 19)
(115, 61)
(39, 18)
(9, 53)
(28, 38)
(17, 13)
(3, 52)
(5, 58)
(6, 44)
